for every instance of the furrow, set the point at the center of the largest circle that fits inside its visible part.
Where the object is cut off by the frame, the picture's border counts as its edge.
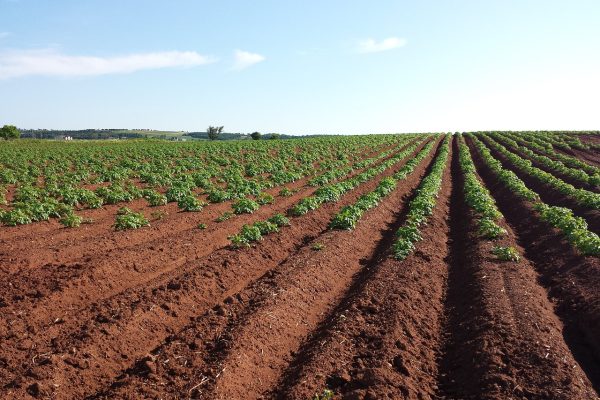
(82, 350)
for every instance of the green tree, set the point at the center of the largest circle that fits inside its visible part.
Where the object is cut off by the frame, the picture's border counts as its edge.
(9, 132)
(255, 135)
(214, 132)
(275, 136)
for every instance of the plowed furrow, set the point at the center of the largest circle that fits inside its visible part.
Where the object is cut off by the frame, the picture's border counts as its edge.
(82, 350)
(570, 279)
(59, 245)
(247, 341)
(382, 340)
(502, 338)
(551, 196)
(591, 157)
(56, 286)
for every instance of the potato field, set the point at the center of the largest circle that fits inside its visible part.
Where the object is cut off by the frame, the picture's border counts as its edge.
(409, 266)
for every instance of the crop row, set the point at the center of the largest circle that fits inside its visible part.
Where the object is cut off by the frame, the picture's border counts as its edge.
(422, 205)
(479, 199)
(581, 196)
(541, 146)
(348, 216)
(326, 194)
(333, 192)
(573, 228)
(552, 165)
(42, 192)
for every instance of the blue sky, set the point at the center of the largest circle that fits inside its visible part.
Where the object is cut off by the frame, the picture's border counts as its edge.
(300, 67)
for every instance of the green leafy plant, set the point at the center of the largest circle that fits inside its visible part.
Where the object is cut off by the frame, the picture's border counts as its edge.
(190, 203)
(264, 198)
(245, 206)
(225, 216)
(422, 205)
(325, 395)
(506, 253)
(154, 198)
(71, 220)
(247, 235)
(158, 215)
(280, 220)
(266, 227)
(127, 219)
(285, 192)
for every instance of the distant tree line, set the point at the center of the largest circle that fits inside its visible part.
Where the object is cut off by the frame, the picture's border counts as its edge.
(8, 132)
(93, 134)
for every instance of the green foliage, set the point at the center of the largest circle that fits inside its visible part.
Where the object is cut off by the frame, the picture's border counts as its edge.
(214, 132)
(247, 235)
(71, 220)
(285, 192)
(506, 253)
(48, 176)
(245, 206)
(154, 198)
(255, 135)
(507, 177)
(16, 217)
(325, 395)
(488, 229)
(348, 216)
(190, 203)
(218, 196)
(201, 226)
(280, 220)
(422, 205)
(264, 198)
(127, 219)
(478, 198)
(8, 132)
(574, 228)
(581, 196)
(266, 227)
(225, 216)
(305, 205)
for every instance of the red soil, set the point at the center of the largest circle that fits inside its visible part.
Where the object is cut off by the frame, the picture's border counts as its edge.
(172, 312)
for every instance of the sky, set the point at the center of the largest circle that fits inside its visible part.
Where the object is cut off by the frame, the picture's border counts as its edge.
(301, 67)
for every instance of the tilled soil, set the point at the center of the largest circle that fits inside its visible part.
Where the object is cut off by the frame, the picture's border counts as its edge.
(552, 196)
(172, 315)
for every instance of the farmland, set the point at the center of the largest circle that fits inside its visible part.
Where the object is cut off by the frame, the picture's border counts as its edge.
(419, 266)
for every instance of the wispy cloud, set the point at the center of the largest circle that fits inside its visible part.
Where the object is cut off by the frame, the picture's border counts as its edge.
(49, 62)
(4, 35)
(244, 59)
(374, 46)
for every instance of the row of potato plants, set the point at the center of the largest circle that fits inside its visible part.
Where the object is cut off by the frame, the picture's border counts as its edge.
(570, 141)
(248, 205)
(333, 192)
(583, 197)
(479, 199)
(348, 216)
(46, 181)
(422, 205)
(573, 228)
(542, 147)
(326, 194)
(552, 165)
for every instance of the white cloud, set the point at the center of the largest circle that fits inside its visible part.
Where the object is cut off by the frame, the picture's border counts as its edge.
(244, 59)
(373, 46)
(4, 35)
(51, 63)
